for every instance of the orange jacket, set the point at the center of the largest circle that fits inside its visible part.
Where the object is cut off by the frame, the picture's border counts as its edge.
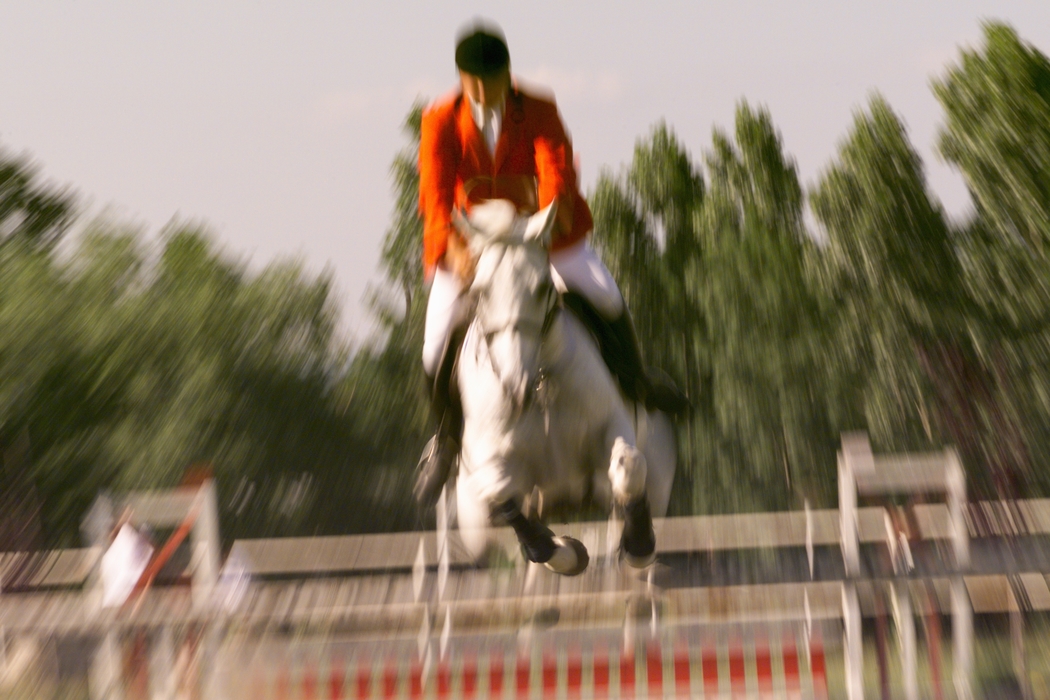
(532, 165)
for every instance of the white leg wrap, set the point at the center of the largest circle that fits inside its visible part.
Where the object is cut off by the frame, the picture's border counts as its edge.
(627, 471)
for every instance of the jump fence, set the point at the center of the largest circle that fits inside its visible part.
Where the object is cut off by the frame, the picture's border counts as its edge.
(736, 666)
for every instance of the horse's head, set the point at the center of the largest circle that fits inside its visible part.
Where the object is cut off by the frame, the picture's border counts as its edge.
(514, 289)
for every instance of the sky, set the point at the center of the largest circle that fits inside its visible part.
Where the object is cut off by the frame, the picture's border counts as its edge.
(275, 123)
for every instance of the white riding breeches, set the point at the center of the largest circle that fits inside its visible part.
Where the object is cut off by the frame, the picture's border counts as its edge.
(577, 269)
(444, 301)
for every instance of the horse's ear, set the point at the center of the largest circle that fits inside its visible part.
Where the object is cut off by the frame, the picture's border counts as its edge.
(541, 224)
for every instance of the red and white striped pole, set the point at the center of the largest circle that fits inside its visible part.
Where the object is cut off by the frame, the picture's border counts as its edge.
(574, 674)
(737, 677)
(600, 671)
(792, 677)
(470, 676)
(763, 666)
(682, 684)
(568, 672)
(496, 673)
(817, 667)
(390, 678)
(363, 679)
(709, 663)
(627, 663)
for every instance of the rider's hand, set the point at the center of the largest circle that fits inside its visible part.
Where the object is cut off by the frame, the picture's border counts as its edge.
(458, 258)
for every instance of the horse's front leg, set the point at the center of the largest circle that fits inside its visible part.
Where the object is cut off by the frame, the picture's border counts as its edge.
(562, 555)
(627, 475)
(489, 496)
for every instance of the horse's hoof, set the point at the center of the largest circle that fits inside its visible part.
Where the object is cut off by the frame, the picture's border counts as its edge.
(639, 561)
(570, 558)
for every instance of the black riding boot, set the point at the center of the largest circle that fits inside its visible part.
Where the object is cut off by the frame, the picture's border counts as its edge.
(654, 389)
(441, 451)
(435, 464)
(619, 346)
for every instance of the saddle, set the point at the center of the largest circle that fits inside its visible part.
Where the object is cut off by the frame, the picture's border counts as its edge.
(616, 342)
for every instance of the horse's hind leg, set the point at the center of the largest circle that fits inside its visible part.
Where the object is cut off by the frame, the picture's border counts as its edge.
(628, 474)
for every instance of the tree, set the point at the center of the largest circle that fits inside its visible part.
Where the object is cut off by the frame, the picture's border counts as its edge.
(33, 216)
(30, 212)
(904, 309)
(997, 133)
(770, 437)
(644, 231)
(717, 279)
(125, 371)
(386, 382)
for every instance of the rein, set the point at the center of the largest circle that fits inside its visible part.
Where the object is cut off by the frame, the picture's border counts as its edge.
(553, 307)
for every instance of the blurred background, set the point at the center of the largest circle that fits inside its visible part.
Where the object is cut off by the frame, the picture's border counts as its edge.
(822, 221)
(171, 311)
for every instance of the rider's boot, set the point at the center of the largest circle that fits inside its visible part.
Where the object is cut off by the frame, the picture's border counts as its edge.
(439, 455)
(619, 346)
(654, 389)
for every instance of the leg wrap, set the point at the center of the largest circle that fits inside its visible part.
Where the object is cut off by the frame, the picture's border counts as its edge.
(639, 540)
(536, 540)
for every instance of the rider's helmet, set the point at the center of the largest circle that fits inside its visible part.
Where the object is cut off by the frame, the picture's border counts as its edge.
(481, 50)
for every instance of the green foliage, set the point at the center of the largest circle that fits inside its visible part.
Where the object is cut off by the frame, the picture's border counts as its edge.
(126, 370)
(894, 322)
(997, 132)
(401, 258)
(30, 212)
(716, 278)
(644, 230)
(890, 276)
(386, 382)
(754, 291)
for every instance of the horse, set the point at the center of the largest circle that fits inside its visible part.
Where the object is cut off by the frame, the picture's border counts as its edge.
(542, 413)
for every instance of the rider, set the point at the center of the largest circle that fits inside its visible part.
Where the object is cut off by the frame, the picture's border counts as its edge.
(490, 139)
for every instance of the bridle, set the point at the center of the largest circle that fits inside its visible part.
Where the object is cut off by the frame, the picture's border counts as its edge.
(552, 307)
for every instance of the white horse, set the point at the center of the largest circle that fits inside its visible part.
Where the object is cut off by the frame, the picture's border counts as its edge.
(541, 410)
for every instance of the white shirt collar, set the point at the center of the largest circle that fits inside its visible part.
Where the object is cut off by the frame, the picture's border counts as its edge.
(488, 121)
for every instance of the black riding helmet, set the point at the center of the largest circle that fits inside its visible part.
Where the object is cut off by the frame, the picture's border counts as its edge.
(481, 50)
